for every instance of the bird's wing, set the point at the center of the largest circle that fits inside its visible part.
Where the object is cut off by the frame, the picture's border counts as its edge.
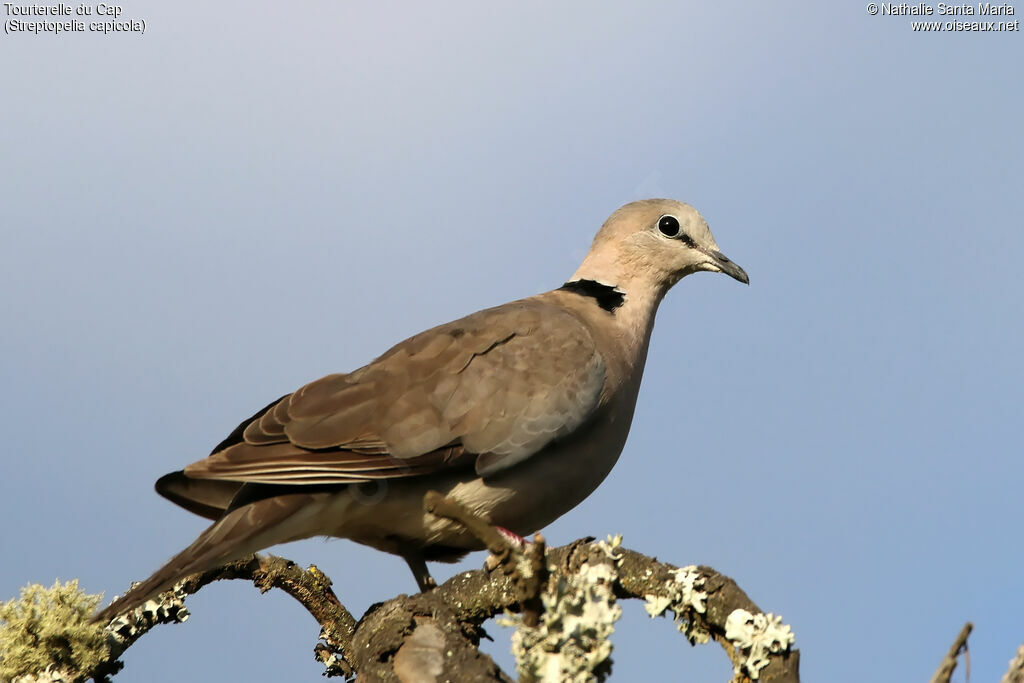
(492, 388)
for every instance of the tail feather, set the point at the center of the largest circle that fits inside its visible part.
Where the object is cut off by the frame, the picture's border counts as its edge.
(238, 533)
(205, 497)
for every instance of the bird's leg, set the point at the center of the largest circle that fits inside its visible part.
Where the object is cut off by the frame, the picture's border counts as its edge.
(420, 572)
(512, 537)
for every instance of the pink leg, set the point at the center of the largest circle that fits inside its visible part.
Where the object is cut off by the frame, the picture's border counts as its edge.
(512, 538)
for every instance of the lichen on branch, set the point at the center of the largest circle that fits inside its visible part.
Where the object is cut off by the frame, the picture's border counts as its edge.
(45, 634)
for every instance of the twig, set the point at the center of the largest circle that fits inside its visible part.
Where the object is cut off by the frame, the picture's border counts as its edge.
(945, 671)
(480, 527)
(532, 585)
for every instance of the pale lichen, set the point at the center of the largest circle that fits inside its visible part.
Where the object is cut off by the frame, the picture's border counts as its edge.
(46, 635)
(167, 607)
(756, 637)
(612, 547)
(572, 641)
(683, 595)
(329, 652)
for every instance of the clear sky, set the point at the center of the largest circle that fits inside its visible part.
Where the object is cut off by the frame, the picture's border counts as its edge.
(248, 196)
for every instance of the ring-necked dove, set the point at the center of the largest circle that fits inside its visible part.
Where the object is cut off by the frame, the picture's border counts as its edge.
(518, 412)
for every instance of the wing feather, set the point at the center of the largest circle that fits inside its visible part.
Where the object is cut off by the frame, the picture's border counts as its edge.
(492, 388)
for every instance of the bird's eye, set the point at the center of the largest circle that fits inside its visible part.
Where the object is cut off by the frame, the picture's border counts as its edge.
(669, 226)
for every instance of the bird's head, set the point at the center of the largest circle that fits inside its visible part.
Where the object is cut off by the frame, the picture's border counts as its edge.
(657, 242)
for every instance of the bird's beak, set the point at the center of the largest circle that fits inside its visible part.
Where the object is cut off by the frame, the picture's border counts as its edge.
(726, 266)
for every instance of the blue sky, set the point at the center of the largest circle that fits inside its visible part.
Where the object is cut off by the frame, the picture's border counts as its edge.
(252, 195)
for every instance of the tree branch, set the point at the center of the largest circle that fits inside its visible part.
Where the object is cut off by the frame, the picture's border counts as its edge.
(758, 649)
(439, 631)
(1015, 673)
(311, 588)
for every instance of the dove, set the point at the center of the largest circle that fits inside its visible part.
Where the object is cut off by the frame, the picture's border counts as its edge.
(518, 412)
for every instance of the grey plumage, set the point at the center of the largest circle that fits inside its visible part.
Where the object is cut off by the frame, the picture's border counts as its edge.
(518, 411)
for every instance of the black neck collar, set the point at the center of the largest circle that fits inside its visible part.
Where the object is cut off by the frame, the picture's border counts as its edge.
(606, 296)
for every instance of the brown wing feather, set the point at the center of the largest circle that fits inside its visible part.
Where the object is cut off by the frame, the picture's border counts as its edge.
(236, 435)
(503, 382)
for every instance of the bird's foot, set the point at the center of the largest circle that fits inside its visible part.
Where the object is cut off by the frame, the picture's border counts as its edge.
(514, 540)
